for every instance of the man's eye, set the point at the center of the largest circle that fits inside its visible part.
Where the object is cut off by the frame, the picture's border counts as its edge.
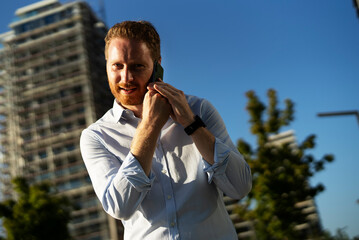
(138, 67)
(118, 66)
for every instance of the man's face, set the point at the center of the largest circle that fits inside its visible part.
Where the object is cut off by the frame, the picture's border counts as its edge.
(129, 67)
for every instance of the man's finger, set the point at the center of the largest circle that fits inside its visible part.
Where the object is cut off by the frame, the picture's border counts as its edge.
(166, 90)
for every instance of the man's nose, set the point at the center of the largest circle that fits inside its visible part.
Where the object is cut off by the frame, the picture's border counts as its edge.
(126, 75)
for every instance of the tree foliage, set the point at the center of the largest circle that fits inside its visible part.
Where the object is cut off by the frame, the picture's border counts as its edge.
(339, 235)
(36, 214)
(281, 173)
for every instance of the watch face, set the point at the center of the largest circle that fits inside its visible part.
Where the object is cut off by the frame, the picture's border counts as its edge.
(195, 125)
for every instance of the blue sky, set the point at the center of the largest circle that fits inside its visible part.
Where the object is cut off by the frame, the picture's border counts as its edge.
(306, 50)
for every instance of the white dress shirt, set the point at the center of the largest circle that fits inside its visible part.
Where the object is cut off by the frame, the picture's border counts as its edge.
(182, 198)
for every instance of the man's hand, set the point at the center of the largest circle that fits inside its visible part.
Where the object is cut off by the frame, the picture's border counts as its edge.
(156, 109)
(155, 113)
(181, 112)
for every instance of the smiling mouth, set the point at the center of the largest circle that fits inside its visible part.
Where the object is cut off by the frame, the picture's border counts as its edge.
(127, 90)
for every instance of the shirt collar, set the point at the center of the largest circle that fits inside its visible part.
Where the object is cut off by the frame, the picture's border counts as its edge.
(120, 113)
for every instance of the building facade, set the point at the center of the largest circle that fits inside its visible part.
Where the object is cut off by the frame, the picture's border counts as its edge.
(308, 228)
(53, 84)
(312, 225)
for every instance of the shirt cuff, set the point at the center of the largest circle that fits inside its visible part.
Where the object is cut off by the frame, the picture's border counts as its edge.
(221, 153)
(133, 172)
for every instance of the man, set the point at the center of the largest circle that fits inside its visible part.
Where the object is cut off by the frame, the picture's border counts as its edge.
(160, 160)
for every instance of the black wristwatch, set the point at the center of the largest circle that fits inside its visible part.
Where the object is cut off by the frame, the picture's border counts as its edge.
(195, 125)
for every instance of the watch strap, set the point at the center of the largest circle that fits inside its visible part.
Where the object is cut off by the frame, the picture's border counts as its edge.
(195, 125)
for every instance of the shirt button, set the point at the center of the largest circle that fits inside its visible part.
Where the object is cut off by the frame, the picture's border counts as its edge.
(169, 197)
(172, 224)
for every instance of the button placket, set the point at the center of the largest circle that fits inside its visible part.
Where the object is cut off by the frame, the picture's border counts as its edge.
(168, 194)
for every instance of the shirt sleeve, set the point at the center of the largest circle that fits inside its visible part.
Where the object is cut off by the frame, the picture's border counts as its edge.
(230, 172)
(120, 185)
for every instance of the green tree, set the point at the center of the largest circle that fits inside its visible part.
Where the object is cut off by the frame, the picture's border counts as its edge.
(339, 235)
(281, 173)
(36, 214)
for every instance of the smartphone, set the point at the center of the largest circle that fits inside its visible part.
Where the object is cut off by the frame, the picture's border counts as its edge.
(157, 72)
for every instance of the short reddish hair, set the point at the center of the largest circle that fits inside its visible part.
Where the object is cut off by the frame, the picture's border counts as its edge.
(138, 30)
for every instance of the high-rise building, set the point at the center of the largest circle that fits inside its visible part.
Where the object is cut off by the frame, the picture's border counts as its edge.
(312, 225)
(244, 228)
(52, 85)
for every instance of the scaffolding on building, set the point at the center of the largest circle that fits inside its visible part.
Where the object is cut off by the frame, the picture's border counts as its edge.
(53, 85)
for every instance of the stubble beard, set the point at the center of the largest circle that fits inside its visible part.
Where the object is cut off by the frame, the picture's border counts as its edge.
(130, 100)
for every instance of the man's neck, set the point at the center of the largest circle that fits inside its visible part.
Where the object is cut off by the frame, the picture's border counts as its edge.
(136, 109)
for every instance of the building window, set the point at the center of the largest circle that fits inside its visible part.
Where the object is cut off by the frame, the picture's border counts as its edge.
(81, 122)
(50, 19)
(57, 150)
(70, 147)
(72, 160)
(29, 158)
(58, 163)
(43, 154)
(56, 129)
(77, 89)
(43, 167)
(42, 133)
(28, 137)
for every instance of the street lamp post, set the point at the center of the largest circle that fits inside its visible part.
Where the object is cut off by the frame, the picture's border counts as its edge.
(341, 113)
